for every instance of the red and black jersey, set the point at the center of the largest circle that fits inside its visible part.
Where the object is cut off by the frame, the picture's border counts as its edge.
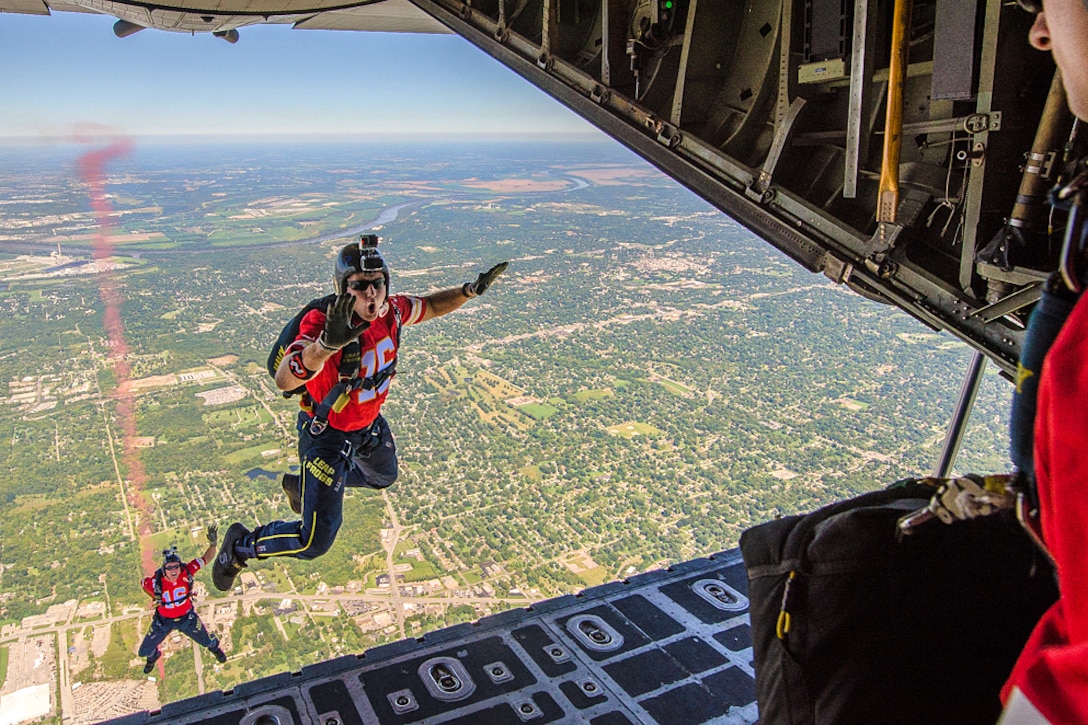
(1052, 670)
(176, 595)
(377, 349)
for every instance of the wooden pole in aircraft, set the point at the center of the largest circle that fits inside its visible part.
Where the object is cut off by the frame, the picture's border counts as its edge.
(888, 199)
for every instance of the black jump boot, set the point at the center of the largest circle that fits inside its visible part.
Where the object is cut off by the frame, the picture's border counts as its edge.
(291, 487)
(150, 664)
(228, 563)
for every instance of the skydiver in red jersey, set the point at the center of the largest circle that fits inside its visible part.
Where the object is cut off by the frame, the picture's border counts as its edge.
(1049, 684)
(344, 355)
(171, 586)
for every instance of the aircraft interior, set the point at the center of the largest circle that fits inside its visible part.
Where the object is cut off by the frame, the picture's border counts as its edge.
(904, 150)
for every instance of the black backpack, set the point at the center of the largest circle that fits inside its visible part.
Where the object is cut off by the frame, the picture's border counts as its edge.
(288, 335)
(851, 626)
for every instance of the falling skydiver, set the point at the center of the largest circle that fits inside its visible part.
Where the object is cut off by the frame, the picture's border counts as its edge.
(171, 587)
(344, 355)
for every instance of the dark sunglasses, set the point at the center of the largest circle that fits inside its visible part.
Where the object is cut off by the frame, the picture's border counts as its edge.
(1032, 6)
(172, 567)
(362, 285)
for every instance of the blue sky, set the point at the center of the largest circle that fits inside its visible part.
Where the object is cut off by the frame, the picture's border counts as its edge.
(69, 69)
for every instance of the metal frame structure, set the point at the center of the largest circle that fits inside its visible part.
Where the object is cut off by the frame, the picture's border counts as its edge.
(795, 160)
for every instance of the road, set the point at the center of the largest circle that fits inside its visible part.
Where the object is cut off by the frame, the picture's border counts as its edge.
(17, 638)
(390, 549)
(203, 607)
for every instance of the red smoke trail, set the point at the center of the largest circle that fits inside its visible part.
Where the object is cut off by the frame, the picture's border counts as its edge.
(91, 170)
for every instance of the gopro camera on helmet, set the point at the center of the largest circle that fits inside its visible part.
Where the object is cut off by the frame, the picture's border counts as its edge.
(361, 256)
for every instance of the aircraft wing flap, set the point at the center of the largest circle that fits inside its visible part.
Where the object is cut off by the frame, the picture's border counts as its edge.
(388, 16)
(391, 16)
(57, 7)
(24, 7)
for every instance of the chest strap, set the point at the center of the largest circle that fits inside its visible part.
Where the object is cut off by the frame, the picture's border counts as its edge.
(340, 395)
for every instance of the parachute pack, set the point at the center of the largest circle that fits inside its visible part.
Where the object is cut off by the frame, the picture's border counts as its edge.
(851, 625)
(289, 334)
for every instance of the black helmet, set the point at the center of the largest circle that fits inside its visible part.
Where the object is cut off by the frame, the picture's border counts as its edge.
(360, 256)
(170, 556)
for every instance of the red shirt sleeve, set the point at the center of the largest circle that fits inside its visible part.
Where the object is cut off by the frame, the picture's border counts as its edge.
(311, 325)
(411, 308)
(1052, 670)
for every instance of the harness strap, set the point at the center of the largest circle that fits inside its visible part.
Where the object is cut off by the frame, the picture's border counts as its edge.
(1060, 295)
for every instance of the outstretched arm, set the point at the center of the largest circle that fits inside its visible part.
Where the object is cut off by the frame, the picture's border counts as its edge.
(445, 301)
(213, 537)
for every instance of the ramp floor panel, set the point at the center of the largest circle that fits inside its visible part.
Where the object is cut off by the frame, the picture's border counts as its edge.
(670, 646)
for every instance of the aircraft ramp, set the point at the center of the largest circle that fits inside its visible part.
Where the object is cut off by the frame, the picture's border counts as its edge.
(667, 646)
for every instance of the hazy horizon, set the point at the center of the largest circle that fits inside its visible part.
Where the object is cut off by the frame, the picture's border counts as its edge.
(67, 72)
(29, 141)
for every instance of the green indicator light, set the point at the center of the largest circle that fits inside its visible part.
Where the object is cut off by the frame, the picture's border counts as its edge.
(668, 4)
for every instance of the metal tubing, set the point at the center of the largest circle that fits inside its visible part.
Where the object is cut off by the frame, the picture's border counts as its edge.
(858, 121)
(1049, 136)
(962, 414)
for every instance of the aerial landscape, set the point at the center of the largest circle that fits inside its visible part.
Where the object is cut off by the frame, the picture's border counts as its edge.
(647, 380)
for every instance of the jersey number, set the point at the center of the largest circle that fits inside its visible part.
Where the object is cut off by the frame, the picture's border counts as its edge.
(175, 596)
(386, 352)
